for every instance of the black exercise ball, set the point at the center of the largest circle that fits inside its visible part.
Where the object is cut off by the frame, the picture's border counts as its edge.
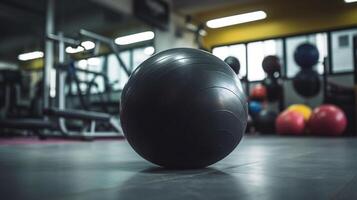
(307, 83)
(183, 108)
(306, 55)
(265, 122)
(271, 64)
(274, 88)
(234, 63)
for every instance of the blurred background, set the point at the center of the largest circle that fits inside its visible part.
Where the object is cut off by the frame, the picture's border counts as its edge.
(98, 43)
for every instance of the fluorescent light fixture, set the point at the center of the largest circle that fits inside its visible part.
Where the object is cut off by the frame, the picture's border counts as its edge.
(88, 45)
(149, 51)
(134, 38)
(30, 55)
(350, 1)
(236, 19)
(74, 50)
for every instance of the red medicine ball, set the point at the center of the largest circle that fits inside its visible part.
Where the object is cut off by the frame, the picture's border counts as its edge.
(259, 92)
(290, 123)
(328, 120)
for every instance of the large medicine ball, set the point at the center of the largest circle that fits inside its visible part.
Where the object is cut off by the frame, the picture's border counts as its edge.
(307, 83)
(328, 120)
(290, 122)
(271, 64)
(255, 107)
(302, 109)
(258, 93)
(264, 122)
(234, 63)
(183, 108)
(306, 55)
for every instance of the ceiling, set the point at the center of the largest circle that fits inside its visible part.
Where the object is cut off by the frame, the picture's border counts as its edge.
(196, 6)
(23, 22)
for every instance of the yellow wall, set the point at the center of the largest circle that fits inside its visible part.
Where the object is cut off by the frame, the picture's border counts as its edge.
(284, 18)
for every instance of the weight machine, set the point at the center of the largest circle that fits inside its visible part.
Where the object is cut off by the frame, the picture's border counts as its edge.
(55, 119)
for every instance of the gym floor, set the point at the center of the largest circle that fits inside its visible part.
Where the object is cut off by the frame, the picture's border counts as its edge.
(260, 168)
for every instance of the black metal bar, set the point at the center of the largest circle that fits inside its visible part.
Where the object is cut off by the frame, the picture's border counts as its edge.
(324, 78)
(329, 53)
(66, 40)
(110, 43)
(285, 60)
(355, 58)
(116, 53)
(355, 77)
(91, 72)
(95, 36)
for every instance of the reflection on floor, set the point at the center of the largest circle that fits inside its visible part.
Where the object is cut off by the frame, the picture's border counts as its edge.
(260, 168)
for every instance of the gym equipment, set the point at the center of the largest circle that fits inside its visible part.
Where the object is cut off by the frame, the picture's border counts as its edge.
(183, 108)
(302, 109)
(274, 88)
(255, 107)
(290, 122)
(327, 120)
(354, 128)
(271, 64)
(88, 119)
(307, 83)
(234, 63)
(306, 55)
(264, 122)
(16, 96)
(55, 117)
(258, 93)
(341, 96)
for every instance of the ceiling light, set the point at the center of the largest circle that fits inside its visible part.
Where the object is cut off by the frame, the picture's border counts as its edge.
(149, 51)
(30, 55)
(350, 1)
(236, 19)
(134, 38)
(88, 45)
(74, 50)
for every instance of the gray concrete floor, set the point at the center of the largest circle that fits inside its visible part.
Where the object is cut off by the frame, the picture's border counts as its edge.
(260, 168)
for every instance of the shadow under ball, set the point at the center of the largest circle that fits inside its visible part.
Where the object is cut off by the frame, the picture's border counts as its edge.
(183, 108)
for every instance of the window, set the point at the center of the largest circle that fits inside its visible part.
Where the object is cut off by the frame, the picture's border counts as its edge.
(238, 51)
(257, 51)
(342, 44)
(94, 64)
(116, 73)
(320, 40)
(141, 54)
